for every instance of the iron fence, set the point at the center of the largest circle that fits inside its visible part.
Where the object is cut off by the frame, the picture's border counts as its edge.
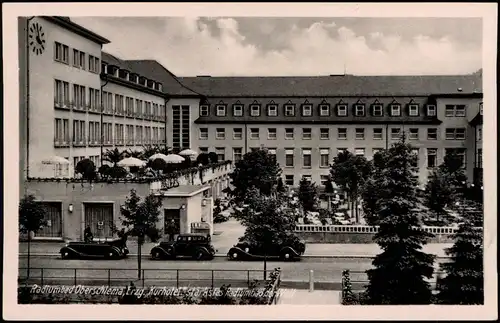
(213, 278)
(359, 279)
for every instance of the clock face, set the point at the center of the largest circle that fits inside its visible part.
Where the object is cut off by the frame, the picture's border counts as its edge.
(36, 38)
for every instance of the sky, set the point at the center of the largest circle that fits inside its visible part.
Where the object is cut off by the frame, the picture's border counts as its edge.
(250, 46)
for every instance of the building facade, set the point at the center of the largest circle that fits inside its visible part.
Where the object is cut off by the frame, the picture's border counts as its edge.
(306, 121)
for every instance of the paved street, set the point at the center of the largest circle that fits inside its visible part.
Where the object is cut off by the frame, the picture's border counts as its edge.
(327, 271)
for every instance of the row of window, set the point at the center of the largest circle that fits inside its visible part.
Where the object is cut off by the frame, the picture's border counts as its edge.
(80, 136)
(130, 77)
(359, 110)
(80, 59)
(91, 101)
(326, 158)
(412, 133)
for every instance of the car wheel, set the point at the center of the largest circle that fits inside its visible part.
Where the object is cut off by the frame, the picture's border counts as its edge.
(234, 256)
(157, 255)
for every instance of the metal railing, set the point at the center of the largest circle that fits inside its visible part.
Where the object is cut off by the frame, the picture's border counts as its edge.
(365, 229)
(359, 279)
(213, 278)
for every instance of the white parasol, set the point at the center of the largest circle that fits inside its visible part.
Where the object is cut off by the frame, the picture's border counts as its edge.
(131, 162)
(160, 156)
(188, 152)
(174, 159)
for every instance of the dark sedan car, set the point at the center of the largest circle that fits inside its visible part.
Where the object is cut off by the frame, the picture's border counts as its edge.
(286, 251)
(110, 249)
(191, 245)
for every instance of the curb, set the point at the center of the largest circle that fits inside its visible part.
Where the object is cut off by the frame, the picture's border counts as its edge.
(224, 256)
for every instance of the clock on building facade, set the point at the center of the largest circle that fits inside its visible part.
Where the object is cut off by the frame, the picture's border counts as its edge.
(37, 38)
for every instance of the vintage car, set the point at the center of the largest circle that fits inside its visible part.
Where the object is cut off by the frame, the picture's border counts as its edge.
(190, 245)
(107, 249)
(290, 250)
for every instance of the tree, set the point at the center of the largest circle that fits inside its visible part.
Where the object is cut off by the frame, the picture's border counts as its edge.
(116, 172)
(267, 221)
(149, 150)
(438, 193)
(280, 187)
(139, 220)
(257, 169)
(350, 172)
(134, 153)
(308, 195)
(86, 168)
(31, 220)
(203, 159)
(103, 170)
(158, 164)
(213, 158)
(113, 156)
(371, 192)
(464, 282)
(398, 276)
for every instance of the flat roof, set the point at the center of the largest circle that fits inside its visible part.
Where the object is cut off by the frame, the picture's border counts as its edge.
(184, 190)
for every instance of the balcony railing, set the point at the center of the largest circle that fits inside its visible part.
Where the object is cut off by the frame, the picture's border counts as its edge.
(79, 142)
(94, 142)
(365, 229)
(119, 142)
(59, 143)
(62, 104)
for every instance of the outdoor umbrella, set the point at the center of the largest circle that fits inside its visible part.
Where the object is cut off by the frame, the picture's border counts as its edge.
(131, 162)
(160, 156)
(188, 152)
(55, 160)
(174, 159)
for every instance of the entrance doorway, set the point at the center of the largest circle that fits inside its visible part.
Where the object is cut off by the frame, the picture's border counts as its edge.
(172, 223)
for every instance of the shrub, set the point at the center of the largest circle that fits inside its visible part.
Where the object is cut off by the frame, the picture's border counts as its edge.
(203, 159)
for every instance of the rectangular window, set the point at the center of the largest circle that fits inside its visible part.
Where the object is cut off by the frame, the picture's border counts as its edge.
(254, 133)
(324, 133)
(377, 110)
(341, 150)
(413, 134)
(455, 134)
(306, 133)
(413, 110)
(288, 133)
(220, 151)
(272, 110)
(306, 157)
(431, 157)
(376, 150)
(203, 150)
(415, 152)
(289, 180)
(449, 110)
(360, 152)
(307, 110)
(289, 110)
(460, 111)
(324, 157)
(203, 133)
(61, 53)
(395, 110)
(360, 133)
(395, 133)
(203, 110)
(255, 111)
(237, 154)
(221, 110)
(237, 110)
(432, 133)
(271, 133)
(431, 110)
(342, 133)
(289, 156)
(61, 94)
(324, 110)
(307, 178)
(342, 110)
(481, 108)
(479, 133)
(324, 179)
(359, 110)
(377, 133)
(237, 133)
(479, 158)
(272, 152)
(220, 133)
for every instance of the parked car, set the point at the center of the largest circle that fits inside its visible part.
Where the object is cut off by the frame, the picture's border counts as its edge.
(290, 250)
(109, 249)
(190, 245)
